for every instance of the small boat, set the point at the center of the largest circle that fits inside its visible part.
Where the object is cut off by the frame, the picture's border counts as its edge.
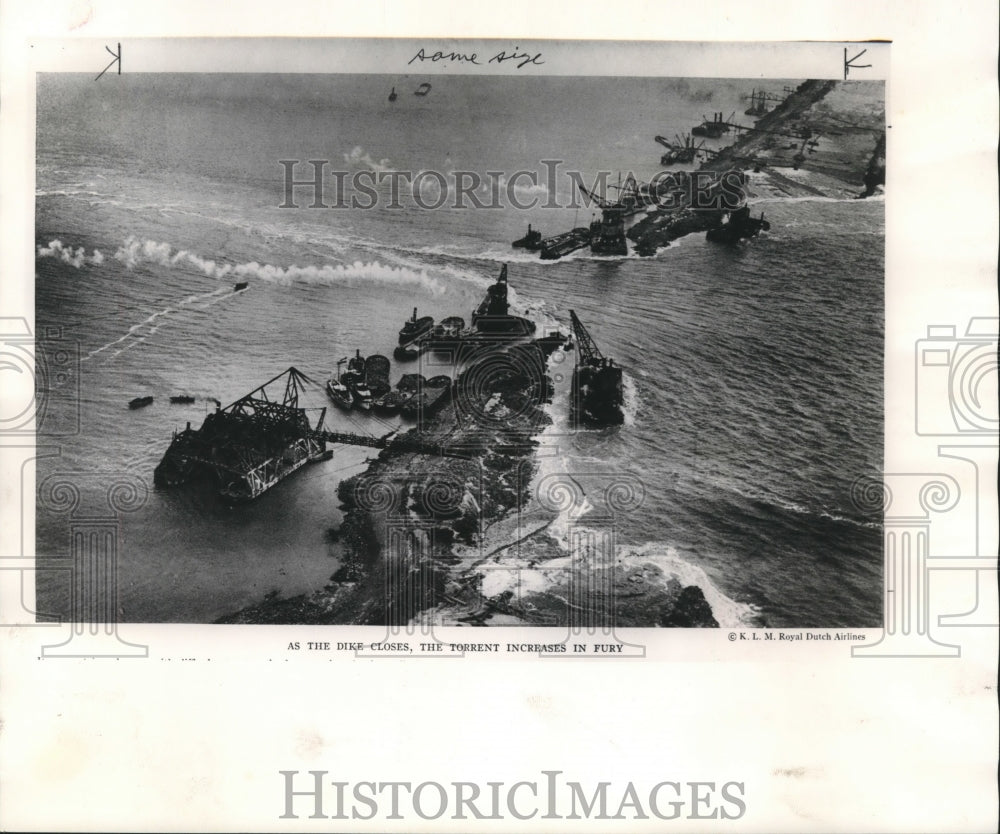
(182, 399)
(339, 393)
(140, 402)
(242, 285)
(357, 364)
(392, 95)
(324, 455)
(422, 90)
(405, 354)
(414, 328)
(531, 241)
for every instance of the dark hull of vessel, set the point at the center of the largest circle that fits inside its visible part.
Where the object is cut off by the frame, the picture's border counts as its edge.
(413, 330)
(532, 241)
(388, 404)
(740, 226)
(405, 354)
(500, 326)
(603, 246)
(552, 342)
(553, 248)
(140, 402)
(597, 396)
(426, 402)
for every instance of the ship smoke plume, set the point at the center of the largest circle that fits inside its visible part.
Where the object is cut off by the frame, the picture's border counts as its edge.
(67, 254)
(136, 252)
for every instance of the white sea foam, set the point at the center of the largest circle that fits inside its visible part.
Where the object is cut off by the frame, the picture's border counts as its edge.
(135, 331)
(76, 258)
(728, 612)
(361, 158)
(631, 399)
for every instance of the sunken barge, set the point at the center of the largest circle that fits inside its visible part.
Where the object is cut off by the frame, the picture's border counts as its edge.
(250, 445)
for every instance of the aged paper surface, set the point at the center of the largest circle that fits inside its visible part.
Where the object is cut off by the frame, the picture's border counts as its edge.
(776, 554)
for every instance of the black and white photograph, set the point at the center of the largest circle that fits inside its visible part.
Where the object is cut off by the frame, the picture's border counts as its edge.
(373, 349)
(525, 418)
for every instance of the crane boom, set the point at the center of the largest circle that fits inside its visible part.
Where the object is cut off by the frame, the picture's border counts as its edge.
(604, 204)
(586, 347)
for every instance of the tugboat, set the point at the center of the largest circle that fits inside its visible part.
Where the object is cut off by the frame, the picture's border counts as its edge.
(182, 399)
(493, 314)
(338, 391)
(242, 285)
(531, 241)
(354, 379)
(414, 328)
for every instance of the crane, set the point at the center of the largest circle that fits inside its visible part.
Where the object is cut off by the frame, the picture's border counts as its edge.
(587, 350)
(628, 198)
(680, 150)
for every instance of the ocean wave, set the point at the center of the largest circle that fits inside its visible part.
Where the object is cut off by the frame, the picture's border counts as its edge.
(728, 612)
(630, 399)
(62, 192)
(815, 198)
(795, 508)
(771, 503)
